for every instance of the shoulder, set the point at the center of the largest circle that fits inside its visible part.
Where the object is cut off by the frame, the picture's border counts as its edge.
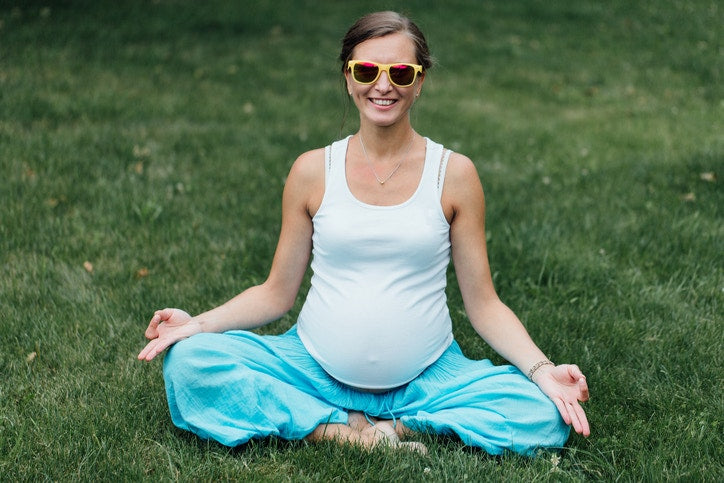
(305, 181)
(461, 170)
(308, 165)
(462, 187)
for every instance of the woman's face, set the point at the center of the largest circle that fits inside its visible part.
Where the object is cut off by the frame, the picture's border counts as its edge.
(382, 102)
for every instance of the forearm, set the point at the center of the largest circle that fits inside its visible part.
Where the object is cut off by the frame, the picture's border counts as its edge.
(252, 308)
(505, 334)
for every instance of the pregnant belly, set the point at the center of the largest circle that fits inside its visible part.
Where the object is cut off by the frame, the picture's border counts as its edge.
(369, 361)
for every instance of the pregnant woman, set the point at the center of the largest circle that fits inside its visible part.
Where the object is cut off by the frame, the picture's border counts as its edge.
(372, 358)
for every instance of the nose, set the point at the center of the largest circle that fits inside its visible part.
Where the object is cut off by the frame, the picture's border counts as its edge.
(383, 83)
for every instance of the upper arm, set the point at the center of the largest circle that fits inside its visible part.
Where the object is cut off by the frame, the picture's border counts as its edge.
(489, 316)
(303, 191)
(464, 203)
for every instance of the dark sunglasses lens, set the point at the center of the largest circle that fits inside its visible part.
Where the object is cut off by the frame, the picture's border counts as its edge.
(402, 75)
(365, 72)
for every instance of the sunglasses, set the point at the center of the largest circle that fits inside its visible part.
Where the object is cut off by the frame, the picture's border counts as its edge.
(401, 75)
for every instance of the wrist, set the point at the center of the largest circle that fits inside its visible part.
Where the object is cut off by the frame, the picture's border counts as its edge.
(200, 325)
(537, 368)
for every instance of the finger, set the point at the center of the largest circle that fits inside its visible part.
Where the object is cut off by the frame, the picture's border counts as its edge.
(585, 427)
(152, 349)
(575, 372)
(578, 416)
(147, 352)
(575, 417)
(152, 329)
(583, 390)
(159, 316)
(563, 410)
(164, 314)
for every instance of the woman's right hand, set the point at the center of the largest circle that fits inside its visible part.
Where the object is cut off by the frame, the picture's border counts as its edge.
(167, 327)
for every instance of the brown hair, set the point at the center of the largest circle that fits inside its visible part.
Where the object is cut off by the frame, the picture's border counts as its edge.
(379, 24)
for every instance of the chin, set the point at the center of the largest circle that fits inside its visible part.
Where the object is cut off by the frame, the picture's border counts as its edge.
(385, 120)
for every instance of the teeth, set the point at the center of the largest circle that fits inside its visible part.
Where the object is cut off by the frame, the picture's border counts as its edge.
(383, 102)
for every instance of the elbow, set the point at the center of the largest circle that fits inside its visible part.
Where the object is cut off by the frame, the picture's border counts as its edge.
(285, 305)
(279, 298)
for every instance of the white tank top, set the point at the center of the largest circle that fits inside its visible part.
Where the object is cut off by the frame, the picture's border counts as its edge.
(376, 313)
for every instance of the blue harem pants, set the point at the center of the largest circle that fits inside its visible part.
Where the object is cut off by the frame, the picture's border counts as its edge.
(236, 386)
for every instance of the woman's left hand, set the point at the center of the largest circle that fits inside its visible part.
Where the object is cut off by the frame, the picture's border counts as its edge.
(566, 385)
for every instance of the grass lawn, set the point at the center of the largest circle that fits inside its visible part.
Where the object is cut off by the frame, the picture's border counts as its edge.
(144, 146)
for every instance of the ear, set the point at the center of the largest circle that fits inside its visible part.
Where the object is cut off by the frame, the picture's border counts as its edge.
(421, 79)
(348, 81)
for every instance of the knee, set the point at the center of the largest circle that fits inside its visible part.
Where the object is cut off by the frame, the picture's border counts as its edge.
(189, 355)
(184, 349)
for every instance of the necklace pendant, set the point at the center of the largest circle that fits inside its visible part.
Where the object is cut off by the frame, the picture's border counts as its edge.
(372, 168)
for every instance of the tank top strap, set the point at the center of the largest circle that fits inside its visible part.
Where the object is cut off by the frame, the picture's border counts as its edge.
(436, 161)
(335, 155)
(444, 158)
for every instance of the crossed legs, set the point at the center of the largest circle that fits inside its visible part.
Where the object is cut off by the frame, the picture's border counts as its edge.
(366, 433)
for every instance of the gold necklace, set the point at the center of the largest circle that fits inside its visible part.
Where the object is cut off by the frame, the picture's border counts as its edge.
(372, 168)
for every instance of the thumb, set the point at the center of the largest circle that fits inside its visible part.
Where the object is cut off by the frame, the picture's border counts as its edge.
(583, 389)
(152, 329)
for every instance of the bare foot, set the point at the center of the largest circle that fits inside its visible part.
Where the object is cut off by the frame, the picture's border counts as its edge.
(359, 430)
(388, 434)
(358, 421)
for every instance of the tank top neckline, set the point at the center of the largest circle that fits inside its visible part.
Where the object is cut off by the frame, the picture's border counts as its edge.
(409, 200)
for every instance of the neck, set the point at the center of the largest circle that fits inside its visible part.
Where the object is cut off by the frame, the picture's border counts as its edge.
(383, 142)
(384, 179)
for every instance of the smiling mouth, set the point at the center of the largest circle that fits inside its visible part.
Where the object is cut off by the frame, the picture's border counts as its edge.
(383, 102)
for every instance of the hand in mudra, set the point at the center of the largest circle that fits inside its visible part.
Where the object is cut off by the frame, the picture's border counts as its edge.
(566, 386)
(167, 327)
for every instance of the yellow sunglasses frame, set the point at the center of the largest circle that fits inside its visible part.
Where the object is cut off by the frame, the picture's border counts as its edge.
(383, 68)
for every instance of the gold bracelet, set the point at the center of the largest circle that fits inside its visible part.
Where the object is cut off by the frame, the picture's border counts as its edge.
(537, 366)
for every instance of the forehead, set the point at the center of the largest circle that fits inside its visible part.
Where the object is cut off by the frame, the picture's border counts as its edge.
(397, 47)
